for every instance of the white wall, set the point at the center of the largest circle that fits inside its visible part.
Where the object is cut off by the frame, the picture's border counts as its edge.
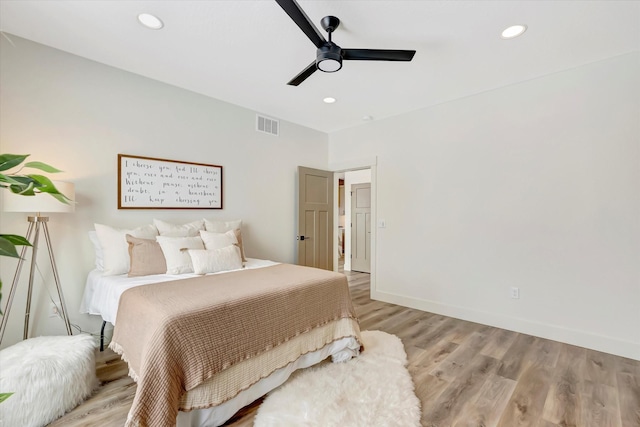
(78, 115)
(350, 178)
(534, 185)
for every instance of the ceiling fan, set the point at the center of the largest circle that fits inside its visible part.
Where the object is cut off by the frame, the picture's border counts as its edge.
(329, 56)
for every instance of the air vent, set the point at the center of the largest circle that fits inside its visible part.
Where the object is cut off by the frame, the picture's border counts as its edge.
(267, 125)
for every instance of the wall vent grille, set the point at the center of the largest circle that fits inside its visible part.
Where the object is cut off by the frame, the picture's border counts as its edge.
(267, 125)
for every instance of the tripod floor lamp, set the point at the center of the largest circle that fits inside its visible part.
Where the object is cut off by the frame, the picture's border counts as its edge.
(38, 204)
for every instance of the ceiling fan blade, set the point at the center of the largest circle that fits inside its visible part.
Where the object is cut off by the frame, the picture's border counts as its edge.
(301, 19)
(304, 74)
(377, 54)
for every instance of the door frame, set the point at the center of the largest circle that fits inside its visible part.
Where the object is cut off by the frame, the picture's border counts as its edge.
(353, 165)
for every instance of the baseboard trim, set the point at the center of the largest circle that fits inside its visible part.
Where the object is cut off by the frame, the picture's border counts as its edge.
(543, 330)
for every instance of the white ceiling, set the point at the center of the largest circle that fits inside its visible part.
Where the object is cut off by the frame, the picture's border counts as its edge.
(244, 52)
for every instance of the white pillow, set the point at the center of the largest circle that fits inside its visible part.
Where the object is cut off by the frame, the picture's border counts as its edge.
(218, 240)
(99, 255)
(115, 248)
(222, 226)
(214, 260)
(190, 229)
(175, 252)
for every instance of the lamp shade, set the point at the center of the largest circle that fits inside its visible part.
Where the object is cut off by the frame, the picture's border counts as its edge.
(41, 202)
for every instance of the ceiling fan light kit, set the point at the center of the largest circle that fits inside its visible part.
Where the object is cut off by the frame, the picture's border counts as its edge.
(329, 59)
(329, 55)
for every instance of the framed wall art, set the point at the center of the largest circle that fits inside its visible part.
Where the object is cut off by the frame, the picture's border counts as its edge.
(151, 183)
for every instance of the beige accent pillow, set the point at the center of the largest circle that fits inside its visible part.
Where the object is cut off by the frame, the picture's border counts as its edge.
(115, 247)
(189, 229)
(215, 260)
(146, 257)
(175, 252)
(238, 234)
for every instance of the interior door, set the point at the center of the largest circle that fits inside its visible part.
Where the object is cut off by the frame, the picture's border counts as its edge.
(361, 227)
(315, 218)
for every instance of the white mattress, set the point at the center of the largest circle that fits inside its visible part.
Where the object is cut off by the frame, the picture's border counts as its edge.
(102, 293)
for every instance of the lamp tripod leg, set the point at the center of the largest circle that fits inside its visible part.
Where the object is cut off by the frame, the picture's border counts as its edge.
(34, 254)
(14, 284)
(56, 278)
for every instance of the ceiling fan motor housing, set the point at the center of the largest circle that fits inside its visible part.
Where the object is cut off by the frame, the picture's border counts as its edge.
(329, 58)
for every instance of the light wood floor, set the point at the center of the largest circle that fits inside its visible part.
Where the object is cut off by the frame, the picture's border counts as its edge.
(466, 374)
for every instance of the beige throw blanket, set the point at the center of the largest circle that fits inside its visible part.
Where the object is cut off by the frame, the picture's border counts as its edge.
(175, 335)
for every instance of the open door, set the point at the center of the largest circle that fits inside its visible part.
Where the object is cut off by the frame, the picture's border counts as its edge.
(315, 218)
(361, 228)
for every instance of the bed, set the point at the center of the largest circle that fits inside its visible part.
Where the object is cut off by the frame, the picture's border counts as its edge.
(243, 335)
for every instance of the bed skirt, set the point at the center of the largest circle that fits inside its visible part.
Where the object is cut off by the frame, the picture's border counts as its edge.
(340, 351)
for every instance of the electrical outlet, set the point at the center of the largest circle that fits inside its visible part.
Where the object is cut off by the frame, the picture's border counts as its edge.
(53, 311)
(514, 293)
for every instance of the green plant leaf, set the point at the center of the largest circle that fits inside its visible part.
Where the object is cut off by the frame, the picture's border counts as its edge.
(28, 191)
(8, 161)
(4, 396)
(15, 239)
(8, 179)
(23, 189)
(61, 198)
(42, 166)
(46, 186)
(23, 180)
(7, 248)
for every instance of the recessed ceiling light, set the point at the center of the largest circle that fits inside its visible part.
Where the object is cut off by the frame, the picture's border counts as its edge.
(150, 21)
(367, 118)
(329, 100)
(513, 31)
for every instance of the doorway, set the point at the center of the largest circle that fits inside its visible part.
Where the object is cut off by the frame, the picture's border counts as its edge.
(364, 172)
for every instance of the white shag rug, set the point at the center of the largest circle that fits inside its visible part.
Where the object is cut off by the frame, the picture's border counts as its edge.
(374, 389)
(48, 376)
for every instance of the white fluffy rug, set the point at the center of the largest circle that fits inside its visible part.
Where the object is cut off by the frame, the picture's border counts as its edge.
(47, 376)
(374, 389)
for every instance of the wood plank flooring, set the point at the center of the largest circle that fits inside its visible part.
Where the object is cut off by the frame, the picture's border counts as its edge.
(465, 374)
